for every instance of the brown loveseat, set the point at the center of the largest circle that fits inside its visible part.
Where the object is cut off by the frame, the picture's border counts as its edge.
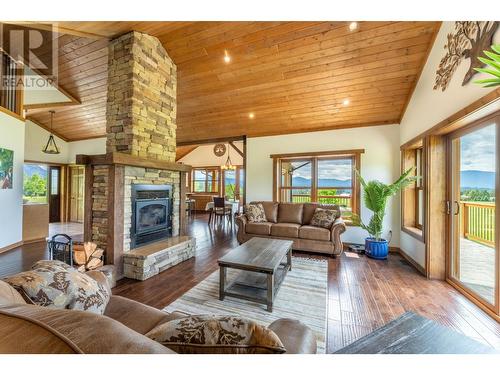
(26, 328)
(291, 221)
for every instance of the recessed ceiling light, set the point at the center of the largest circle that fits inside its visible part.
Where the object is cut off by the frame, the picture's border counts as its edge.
(227, 58)
(251, 115)
(346, 102)
(353, 26)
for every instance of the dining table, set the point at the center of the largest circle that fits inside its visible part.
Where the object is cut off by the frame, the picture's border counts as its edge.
(234, 206)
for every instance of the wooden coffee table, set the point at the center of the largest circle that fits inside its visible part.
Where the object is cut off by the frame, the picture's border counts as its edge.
(265, 263)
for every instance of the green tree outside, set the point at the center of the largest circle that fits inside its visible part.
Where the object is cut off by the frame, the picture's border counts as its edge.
(35, 186)
(478, 195)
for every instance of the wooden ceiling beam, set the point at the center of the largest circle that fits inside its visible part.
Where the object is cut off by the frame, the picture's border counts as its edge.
(231, 143)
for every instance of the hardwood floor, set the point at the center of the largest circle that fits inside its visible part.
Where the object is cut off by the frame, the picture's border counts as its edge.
(363, 294)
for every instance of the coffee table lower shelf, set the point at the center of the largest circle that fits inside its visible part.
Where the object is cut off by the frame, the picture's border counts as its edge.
(254, 286)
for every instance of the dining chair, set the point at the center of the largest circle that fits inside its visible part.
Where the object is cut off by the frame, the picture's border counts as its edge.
(220, 210)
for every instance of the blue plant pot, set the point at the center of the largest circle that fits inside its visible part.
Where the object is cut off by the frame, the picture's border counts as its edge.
(376, 249)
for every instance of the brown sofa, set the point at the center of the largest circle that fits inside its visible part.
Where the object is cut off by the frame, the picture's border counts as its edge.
(291, 221)
(26, 328)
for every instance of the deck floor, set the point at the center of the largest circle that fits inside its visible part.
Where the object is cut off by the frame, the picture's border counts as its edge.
(477, 268)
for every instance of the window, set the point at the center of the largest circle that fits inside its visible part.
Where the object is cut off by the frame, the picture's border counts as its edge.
(10, 75)
(419, 189)
(230, 184)
(325, 177)
(413, 197)
(205, 180)
(234, 183)
(296, 180)
(35, 183)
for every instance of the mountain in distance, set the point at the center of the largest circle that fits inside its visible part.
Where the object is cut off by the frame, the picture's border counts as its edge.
(477, 179)
(323, 182)
(31, 169)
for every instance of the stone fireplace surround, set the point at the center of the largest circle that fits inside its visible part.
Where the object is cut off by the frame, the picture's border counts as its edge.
(108, 199)
(140, 149)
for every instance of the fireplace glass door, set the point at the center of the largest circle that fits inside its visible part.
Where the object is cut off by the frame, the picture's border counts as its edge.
(151, 215)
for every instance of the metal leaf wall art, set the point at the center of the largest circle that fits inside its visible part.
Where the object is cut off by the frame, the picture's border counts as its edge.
(468, 41)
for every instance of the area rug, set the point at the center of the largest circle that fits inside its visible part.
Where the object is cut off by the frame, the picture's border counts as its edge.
(302, 296)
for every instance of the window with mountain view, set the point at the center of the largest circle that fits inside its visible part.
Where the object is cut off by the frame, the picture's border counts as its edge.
(205, 180)
(327, 179)
(35, 183)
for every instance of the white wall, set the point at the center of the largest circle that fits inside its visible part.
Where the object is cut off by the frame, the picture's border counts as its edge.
(36, 139)
(203, 156)
(428, 107)
(96, 146)
(380, 161)
(35, 94)
(11, 200)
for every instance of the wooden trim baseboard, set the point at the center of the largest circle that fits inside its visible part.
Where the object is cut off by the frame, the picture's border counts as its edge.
(33, 240)
(392, 249)
(410, 260)
(11, 246)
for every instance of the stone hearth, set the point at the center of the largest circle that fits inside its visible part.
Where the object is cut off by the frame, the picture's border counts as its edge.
(150, 260)
(141, 144)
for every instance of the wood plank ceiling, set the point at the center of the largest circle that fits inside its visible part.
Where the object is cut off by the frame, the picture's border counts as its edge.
(292, 76)
(83, 72)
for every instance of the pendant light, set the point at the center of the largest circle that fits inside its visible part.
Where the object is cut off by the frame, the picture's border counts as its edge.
(51, 147)
(228, 166)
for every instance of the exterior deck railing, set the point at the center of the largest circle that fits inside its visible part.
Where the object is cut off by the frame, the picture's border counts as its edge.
(341, 200)
(478, 222)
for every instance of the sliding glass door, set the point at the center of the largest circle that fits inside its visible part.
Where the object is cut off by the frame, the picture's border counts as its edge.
(473, 192)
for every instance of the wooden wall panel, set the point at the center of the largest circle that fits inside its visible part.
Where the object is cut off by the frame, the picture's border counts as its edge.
(35, 222)
(435, 209)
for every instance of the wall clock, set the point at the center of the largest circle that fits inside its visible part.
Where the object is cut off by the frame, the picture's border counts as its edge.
(219, 149)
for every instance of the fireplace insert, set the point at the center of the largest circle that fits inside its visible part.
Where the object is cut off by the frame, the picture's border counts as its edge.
(151, 213)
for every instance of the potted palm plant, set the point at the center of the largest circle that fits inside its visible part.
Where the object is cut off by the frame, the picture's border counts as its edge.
(492, 67)
(375, 195)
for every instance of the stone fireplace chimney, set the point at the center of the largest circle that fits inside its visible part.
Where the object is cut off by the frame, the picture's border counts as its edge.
(140, 150)
(141, 105)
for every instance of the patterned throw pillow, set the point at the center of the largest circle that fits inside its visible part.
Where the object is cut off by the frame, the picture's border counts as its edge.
(206, 334)
(52, 265)
(255, 213)
(54, 284)
(323, 218)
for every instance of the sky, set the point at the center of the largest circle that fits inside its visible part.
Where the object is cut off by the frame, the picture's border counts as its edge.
(328, 169)
(477, 151)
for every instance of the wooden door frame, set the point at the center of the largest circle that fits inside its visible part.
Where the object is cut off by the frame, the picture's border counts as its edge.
(70, 190)
(59, 191)
(491, 309)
